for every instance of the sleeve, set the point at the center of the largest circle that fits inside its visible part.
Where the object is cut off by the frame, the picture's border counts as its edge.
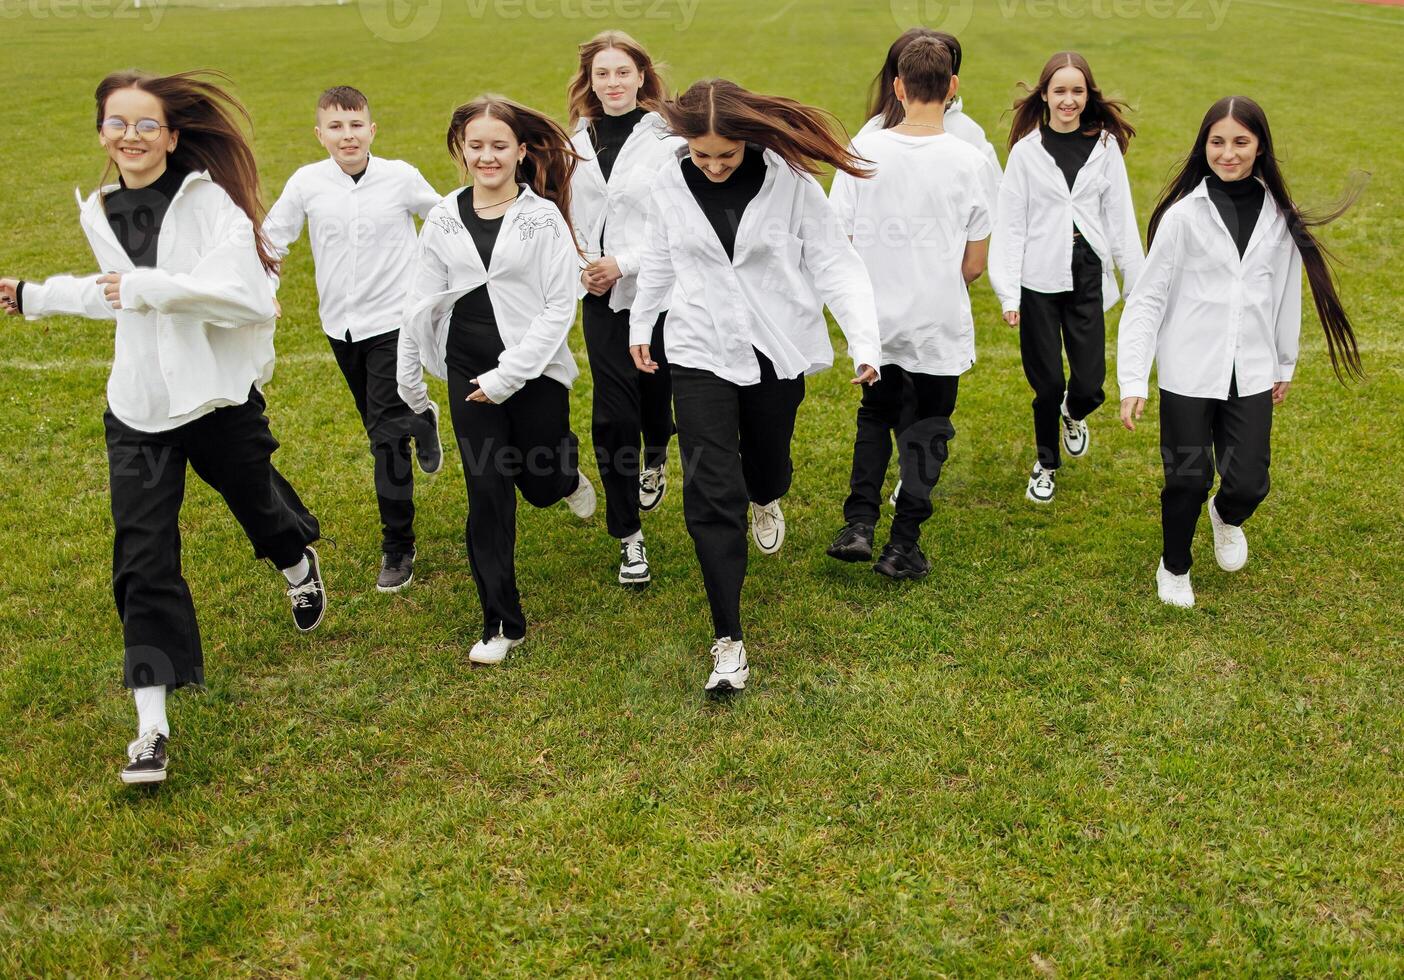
(1145, 310)
(838, 275)
(655, 278)
(420, 196)
(283, 224)
(843, 198)
(1119, 212)
(557, 265)
(984, 188)
(228, 287)
(1006, 265)
(1287, 318)
(428, 278)
(66, 296)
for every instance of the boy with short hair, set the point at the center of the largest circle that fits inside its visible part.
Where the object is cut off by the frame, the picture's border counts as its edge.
(360, 213)
(921, 224)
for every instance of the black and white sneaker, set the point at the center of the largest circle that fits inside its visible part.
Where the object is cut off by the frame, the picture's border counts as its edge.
(396, 571)
(428, 448)
(147, 759)
(854, 543)
(1041, 485)
(729, 668)
(653, 484)
(633, 564)
(767, 526)
(309, 597)
(902, 561)
(1076, 438)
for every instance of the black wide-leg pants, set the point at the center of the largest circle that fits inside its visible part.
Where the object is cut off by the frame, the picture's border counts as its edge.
(629, 406)
(1201, 436)
(734, 443)
(231, 449)
(1049, 323)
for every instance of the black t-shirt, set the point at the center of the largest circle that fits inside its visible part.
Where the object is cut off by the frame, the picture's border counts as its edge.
(136, 214)
(608, 134)
(725, 203)
(1239, 203)
(1068, 150)
(473, 341)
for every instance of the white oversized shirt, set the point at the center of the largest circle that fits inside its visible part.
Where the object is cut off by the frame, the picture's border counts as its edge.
(1033, 235)
(791, 259)
(958, 124)
(530, 280)
(619, 207)
(195, 332)
(362, 235)
(1204, 314)
(910, 223)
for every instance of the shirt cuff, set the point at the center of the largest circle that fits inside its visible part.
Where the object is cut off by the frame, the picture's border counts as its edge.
(1139, 389)
(1285, 372)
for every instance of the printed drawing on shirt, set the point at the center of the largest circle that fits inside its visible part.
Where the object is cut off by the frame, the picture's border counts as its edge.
(448, 224)
(530, 225)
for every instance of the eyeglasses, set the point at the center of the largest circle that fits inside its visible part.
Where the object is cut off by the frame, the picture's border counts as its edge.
(115, 128)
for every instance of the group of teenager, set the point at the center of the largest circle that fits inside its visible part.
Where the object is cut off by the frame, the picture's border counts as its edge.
(701, 249)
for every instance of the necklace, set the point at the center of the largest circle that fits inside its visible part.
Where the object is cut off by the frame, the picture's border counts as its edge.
(921, 125)
(489, 207)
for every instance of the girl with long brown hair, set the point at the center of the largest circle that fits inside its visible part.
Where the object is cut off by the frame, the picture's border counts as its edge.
(491, 300)
(1064, 219)
(1218, 307)
(743, 240)
(194, 311)
(623, 143)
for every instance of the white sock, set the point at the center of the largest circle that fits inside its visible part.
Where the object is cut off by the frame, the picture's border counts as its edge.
(635, 538)
(297, 572)
(151, 709)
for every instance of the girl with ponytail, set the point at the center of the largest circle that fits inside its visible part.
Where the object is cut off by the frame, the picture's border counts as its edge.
(187, 284)
(1218, 307)
(491, 299)
(743, 241)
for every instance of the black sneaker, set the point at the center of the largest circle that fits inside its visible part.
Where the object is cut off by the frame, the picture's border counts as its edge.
(309, 597)
(427, 447)
(854, 543)
(396, 571)
(901, 561)
(148, 759)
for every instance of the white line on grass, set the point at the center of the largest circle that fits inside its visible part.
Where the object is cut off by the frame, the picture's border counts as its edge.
(1312, 11)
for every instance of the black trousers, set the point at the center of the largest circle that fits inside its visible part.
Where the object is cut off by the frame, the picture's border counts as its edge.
(629, 406)
(734, 442)
(922, 440)
(1050, 323)
(1199, 436)
(231, 449)
(369, 368)
(524, 443)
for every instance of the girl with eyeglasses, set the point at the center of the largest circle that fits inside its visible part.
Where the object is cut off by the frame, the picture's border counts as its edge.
(186, 278)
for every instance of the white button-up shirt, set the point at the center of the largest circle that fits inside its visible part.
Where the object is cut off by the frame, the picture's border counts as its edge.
(193, 334)
(1205, 315)
(620, 205)
(363, 239)
(1033, 236)
(792, 257)
(967, 130)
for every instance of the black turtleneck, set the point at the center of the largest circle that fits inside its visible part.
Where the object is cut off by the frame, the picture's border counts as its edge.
(1239, 203)
(608, 135)
(1068, 150)
(136, 214)
(725, 203)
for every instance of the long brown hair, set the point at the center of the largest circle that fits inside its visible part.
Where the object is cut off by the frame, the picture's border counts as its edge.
(802, 135)
(550, 159)
(580, 94)
(212, 125)
(1340, 338)
(882, 100)
(1100, 114)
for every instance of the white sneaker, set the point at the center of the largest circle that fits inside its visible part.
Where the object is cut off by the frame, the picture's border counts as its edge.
(582, 501)
(1075, 436)
(1230, 543)
(1041, 485)
(1174, 590)
(493, 651)
(895, 491)
(768, 526)
(633, 564)
(653, 484)
(729, 669)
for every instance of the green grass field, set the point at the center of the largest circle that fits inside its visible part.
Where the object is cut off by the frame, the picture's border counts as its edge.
(1024, 765)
